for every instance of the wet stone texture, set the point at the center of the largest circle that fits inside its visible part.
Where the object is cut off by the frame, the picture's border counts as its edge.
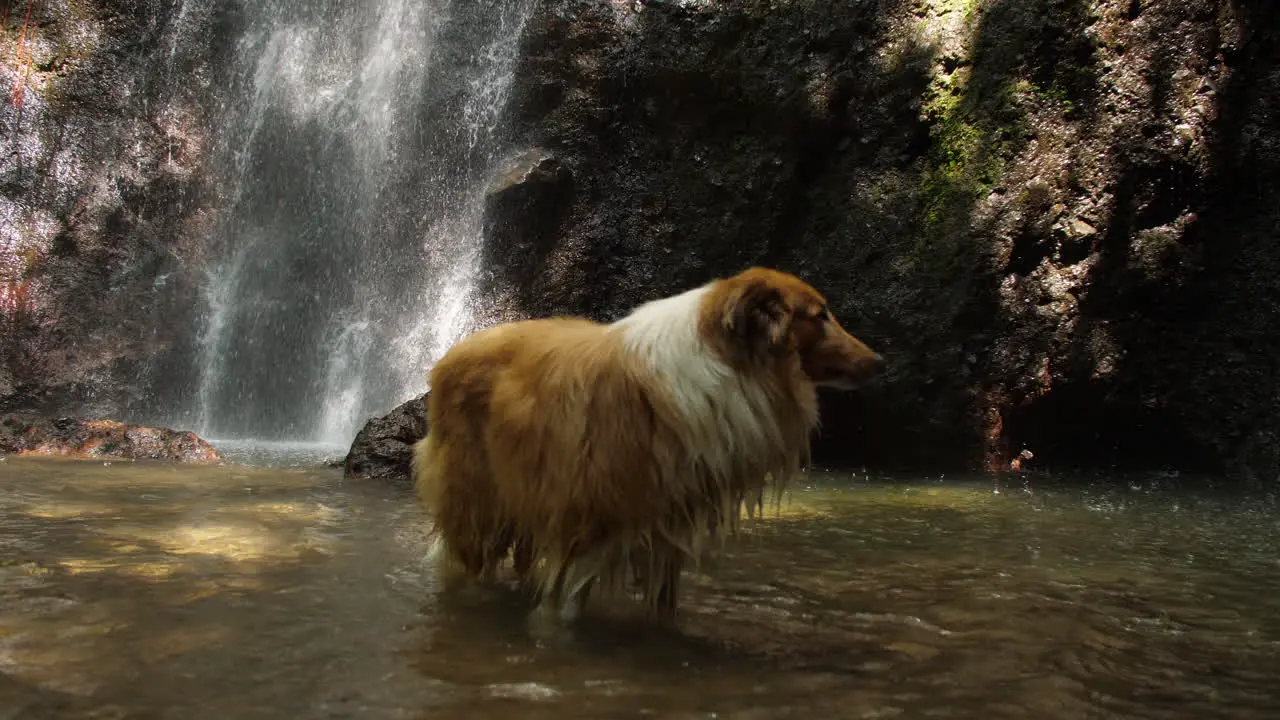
(1057, 220)
(106, 198)
(71, 437)
(383, 448)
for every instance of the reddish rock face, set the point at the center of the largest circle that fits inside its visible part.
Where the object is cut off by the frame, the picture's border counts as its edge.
(72, 437)
(108, 203)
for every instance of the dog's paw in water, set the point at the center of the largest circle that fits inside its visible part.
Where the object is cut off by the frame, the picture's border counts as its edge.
(551, 626)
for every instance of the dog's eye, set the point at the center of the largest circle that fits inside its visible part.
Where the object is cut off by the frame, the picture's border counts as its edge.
(823, 314)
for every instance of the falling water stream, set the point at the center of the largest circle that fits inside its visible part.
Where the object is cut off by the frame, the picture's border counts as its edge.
(358, 159)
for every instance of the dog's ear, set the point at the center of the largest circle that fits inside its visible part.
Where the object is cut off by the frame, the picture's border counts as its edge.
(758, 319)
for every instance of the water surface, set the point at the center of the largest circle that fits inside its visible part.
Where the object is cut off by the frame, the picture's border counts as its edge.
(156, 591)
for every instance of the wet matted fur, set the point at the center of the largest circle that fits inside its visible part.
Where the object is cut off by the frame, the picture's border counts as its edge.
(597, 451)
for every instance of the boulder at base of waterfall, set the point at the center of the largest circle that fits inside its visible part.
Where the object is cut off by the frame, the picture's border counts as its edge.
(384, 447)
(22, 434)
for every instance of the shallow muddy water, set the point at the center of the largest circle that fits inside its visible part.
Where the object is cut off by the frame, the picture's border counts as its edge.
(155, 591)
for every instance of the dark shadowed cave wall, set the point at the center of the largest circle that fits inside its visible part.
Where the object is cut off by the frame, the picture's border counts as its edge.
(1056, 218)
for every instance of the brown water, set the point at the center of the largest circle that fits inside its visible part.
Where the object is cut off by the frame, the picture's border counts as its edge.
(153, 591)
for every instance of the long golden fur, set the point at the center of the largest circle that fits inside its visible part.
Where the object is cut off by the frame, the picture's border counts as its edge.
(601, 452)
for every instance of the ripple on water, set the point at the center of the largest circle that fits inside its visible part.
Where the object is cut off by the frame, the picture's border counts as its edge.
(258, 453)
(236, 590)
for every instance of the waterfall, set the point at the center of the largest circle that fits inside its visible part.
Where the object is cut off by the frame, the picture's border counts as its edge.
(357, 160)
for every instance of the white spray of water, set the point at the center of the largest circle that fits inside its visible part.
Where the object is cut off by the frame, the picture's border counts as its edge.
(454, 247)
(350, 79)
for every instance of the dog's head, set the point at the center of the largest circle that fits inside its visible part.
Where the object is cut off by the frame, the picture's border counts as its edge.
(767, 314)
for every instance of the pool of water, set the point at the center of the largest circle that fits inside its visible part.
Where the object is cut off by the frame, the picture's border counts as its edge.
(157, 591)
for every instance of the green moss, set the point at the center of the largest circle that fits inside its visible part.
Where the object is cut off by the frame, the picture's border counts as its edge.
(977, 126)
(1054, 95)
(969, 8)
(970, 147)
(1001, 63)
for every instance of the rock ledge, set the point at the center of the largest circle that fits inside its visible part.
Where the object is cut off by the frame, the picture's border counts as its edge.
(76, 437)
(384, 446)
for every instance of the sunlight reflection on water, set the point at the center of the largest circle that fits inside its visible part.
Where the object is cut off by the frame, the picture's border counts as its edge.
(234, 591)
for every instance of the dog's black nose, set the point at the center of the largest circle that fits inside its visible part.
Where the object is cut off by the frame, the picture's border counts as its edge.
(879, 363)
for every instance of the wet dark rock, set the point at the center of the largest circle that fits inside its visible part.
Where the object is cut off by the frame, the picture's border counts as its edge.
(524, 207)
(76, 437)
(106, 197)
(1056, 220)
(383, 448)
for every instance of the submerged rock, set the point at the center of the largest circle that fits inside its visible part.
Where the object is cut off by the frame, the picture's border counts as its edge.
(76, 437)
(384, 446)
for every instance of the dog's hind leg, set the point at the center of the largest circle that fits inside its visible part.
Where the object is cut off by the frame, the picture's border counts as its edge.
(569, 591)
(522, 560)
(668, 596)
(454, 485)
(450, 572)
(573, 606)
(497, 545)
(659, 579)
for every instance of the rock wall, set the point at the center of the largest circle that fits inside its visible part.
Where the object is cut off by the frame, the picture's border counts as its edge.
(1057, 219)
(106, 196)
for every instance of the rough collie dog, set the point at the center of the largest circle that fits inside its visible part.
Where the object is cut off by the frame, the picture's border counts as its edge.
(615, 452)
